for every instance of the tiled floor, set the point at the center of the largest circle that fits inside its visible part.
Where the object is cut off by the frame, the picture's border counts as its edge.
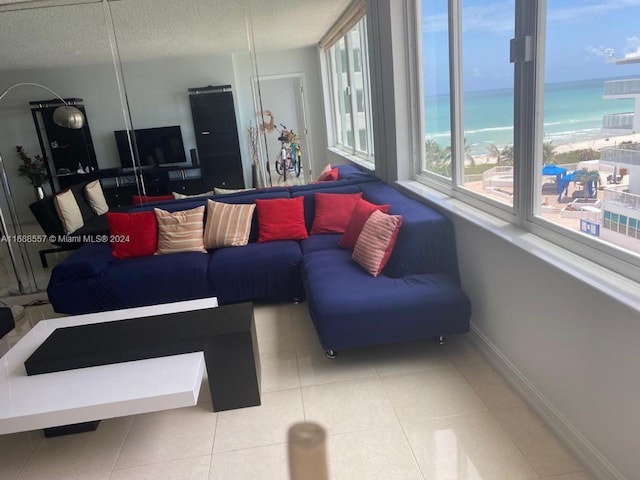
(414, 411)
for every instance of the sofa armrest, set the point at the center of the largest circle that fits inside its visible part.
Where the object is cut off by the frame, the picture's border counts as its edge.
(86, 262)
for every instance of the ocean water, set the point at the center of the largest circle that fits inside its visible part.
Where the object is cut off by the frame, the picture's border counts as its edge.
(573, 112)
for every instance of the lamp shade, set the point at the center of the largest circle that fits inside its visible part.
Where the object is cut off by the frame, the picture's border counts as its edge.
(67, 116)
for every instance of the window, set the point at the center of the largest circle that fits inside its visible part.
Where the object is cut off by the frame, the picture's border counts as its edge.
(519, 118)
(348, 74)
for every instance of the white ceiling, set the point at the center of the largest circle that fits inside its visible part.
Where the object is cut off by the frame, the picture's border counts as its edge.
(76, 34)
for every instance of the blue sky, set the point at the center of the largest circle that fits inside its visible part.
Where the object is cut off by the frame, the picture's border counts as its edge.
(580, 36)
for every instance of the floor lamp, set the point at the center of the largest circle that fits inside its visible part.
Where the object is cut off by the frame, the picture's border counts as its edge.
(65, 116)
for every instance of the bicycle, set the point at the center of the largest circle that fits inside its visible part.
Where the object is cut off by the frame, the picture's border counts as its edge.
(290, 156)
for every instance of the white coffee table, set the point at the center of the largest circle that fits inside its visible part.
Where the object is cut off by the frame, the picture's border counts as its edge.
(87, 394)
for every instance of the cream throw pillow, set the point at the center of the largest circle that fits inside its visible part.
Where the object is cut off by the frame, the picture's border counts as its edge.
(223, 191)
(178, 196)
(228, 225)
(180, 231)
(95, 197)
(68, 211)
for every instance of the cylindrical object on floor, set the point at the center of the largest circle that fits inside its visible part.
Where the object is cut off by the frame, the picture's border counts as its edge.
(307, 452)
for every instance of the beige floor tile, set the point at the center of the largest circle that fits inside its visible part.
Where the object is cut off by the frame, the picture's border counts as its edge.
(315, 368)
(168, 435)
(85, 456)
(264, 463)
(259, 426)
(434, 393)
(493, 391)
(373, 454)
(304, 333)
(410, 357)
(279, 371)
(194, 468)
(15, 450)
(466, 447)
(349, 406)
(204, 396)
(460, 350)
(569, 476)
(272, 311)
(273, 328)
(537, 443)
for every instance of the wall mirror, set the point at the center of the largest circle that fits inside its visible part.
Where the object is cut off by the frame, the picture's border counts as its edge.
(144, 71)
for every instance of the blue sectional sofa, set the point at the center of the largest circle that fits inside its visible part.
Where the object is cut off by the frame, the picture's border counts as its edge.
(417, 296)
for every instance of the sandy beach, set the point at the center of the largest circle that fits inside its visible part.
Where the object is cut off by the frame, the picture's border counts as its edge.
(595, 144)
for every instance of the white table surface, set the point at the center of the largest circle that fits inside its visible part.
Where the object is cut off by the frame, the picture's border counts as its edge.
(96, 393)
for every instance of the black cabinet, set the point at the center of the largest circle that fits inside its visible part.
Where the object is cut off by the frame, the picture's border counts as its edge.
(68, 153)
(218, 147)
(119, 185)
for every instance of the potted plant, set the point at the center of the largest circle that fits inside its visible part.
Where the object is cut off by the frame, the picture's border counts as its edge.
(34, 169)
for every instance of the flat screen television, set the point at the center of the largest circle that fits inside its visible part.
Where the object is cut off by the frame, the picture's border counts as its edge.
(156, 146)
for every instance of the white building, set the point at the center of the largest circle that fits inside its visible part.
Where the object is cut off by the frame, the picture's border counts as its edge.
(621, 203)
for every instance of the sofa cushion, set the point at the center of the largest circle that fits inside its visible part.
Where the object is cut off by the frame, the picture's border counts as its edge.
(79, 193)
(376, 241)
(68, 211)
(359, 217)
(257, 271)
(156, 279)
(320, 242)
(355, 309)
(132, 234)
(181, 231)
(281, 219)
(333, 211)
(88, 261)
(227, 225)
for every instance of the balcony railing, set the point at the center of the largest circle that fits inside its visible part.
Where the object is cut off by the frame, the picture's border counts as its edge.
(620, 155)
(622, 87)
(618, 121)
(628, 200)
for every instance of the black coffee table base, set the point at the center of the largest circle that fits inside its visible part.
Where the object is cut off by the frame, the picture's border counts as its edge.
(226, 335)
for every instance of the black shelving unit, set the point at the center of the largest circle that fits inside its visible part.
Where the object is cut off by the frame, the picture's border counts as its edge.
(69, 154)
(218, 147)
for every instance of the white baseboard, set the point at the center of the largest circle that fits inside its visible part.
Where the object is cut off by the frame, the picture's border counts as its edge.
(593, 461)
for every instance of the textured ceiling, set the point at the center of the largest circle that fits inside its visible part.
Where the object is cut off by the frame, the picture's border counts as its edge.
(76, 34)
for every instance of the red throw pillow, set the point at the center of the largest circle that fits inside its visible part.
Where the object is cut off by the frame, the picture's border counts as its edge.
(132, 234)
(375, 243)
(333, 211)
(281, 219)
(325, 170)
(360, 215)
(330, 176)
(140, 199)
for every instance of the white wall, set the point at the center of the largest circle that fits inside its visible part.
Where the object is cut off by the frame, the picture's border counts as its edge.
(576, 346)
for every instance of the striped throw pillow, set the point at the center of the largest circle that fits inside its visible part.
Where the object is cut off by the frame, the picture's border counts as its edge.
(180, 231)
(376, 240)
(228, 224)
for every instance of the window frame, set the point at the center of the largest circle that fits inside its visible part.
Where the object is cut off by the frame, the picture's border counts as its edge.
(530, 20)
(336, 119)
